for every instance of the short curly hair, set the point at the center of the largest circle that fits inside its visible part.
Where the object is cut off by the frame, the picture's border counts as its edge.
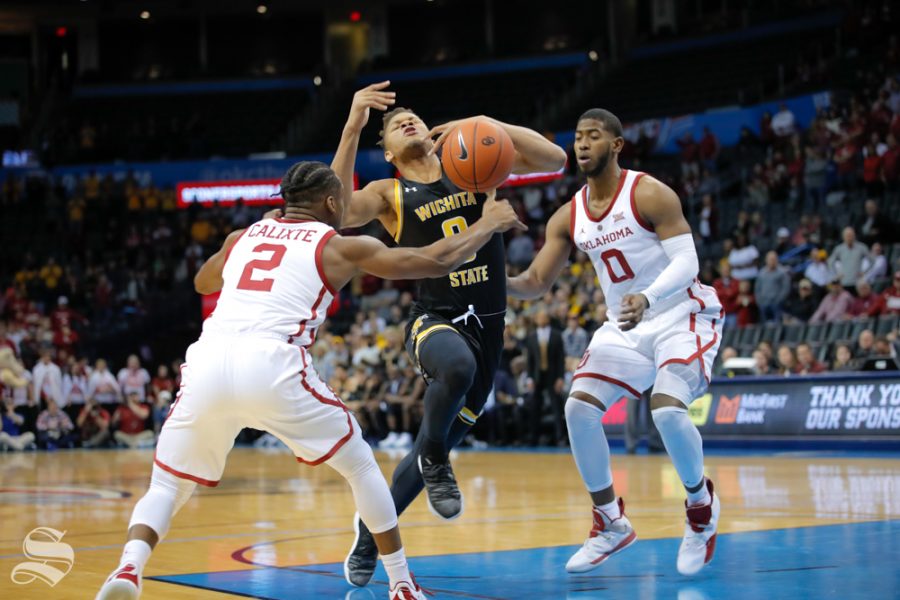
(307, 182)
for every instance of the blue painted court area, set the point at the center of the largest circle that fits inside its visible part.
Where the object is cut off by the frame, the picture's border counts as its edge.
(834, 561)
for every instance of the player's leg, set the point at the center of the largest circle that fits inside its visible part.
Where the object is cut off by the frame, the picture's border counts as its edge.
(683, 375)
(610, 370)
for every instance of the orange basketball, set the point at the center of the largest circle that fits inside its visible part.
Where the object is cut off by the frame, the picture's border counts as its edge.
(478, 155)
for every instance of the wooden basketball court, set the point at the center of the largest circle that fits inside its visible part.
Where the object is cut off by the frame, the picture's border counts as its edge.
(276, 529)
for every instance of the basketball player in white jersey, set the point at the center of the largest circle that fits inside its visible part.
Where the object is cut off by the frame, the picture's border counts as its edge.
(663, 331)
(251, 366)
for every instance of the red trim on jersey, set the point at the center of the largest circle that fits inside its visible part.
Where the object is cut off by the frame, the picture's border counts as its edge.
(319, 266)
(333, 402)
(701, 350)
(637, 215)
(611, 380)
(693, 297)
(572, 216)
(181, 475)
(612, 202)
(228, 252)
(315, 308)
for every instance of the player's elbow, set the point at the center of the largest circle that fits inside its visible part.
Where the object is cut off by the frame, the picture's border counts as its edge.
(203, 286)
(557, 159)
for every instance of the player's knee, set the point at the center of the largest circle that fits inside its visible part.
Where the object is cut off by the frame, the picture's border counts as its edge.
(580, 412)
(178, 489)
(675, 385)
(458, 371)
(354, 459)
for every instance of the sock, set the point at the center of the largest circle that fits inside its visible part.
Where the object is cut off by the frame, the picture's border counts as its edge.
(611, 509)
(136, 552)
(698, 496)
(685, 448)
(589, 446)
(396, 566)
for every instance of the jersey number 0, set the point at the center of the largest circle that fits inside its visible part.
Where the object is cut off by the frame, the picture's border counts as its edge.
(455, 226)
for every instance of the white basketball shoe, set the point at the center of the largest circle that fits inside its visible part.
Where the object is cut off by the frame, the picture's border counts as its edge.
(699, 543)
(608, 536)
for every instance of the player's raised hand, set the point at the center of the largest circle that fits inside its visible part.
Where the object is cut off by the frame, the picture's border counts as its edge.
(372, 96)
(633, 307)
(500, 214)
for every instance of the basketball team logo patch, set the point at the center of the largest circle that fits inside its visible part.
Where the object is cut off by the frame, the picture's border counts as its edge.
(49, 558)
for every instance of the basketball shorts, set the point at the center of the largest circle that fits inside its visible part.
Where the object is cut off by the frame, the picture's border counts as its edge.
(684, 338)
(258, 381)
(485, 340)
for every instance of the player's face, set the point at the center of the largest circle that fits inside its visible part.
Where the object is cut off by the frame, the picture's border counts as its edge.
(595, 147)
(406, 135)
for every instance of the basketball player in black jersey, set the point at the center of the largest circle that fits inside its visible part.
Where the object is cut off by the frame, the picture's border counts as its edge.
(455, 332)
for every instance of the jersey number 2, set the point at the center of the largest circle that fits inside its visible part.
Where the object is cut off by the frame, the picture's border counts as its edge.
(624, 267)
(247, 282)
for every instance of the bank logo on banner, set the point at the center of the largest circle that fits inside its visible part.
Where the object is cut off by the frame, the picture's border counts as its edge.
(727, 411)
(698, 411)
(50, 559)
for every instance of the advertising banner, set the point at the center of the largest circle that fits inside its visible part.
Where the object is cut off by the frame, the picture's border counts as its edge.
(861, 406)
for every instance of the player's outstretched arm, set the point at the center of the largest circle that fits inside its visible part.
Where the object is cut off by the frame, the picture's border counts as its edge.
(660, 206)
(549, 262)
(208, 279)
(534, 152)
(345, 256)
(367, 204)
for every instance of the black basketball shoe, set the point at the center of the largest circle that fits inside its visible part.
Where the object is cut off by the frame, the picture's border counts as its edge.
(360, 563)
(444, 498)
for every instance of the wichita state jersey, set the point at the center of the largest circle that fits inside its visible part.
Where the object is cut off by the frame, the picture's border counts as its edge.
(427, 212)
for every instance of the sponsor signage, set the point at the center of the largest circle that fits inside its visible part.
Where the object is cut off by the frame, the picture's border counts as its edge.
(226, 193)
(825, 406)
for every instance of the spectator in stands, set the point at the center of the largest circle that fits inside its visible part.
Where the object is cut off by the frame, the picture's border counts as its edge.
(766, 132)
(865, 344)
(802, 303)
(771, 289)
(867, 304)
(784, 124)
(747, 311)
(806, 361)
(847, 258)
(47, 379)
(728, 290)
(575, 339)
(875, 226)
(818, 271)
(814, 178)
(760, 363)
(93, 423)
(891, 296)
(546, 367)
(879, 266)
(12, 433)
(520, 250)
(787, 361)
(709, 150)
(743, 258)
(134, 378)
(102, 386)
(834, 305)
(873, 175)
(130, 422)
(690, 153)
(162, 382)
(54, 427)
(843, 359)
(782, 241)
(882, 347)
(891, 165)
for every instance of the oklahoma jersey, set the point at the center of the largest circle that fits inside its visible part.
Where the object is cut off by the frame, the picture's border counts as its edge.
(274, 282)
(625, 250)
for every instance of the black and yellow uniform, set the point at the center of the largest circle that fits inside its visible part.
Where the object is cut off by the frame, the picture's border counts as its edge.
(455, 330)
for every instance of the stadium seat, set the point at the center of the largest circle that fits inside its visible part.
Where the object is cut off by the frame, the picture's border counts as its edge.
(729, 335)
(857, 327)
(886, 324)
(839, 331)
(750, 335)
(793, 334)
(816, 332)
(772, 332)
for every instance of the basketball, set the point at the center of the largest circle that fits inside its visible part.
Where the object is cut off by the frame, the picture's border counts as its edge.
(478, 155)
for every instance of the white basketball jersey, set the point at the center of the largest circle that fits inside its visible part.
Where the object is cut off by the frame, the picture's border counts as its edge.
(275, 282)
(624, 249)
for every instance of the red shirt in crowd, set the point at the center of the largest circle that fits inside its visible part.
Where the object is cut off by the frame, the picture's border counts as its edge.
(890, 163)
(870, 306)
(128, 421)
(709, 146)
(728, 291)
(891, 299)
(872, 168)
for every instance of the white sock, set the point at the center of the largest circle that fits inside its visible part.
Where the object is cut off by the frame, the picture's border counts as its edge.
(136, 552)
(685, 448)
(611, 509)
(589, 446)
(396, 566)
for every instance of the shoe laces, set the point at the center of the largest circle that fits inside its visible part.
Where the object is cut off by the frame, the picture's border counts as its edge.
(442, 477)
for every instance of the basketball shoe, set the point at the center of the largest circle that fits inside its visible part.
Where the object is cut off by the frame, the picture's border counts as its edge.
(699, 541)
(444, 498)
(360, 563)
(407, 590)
(123, 584)
(608, 536)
